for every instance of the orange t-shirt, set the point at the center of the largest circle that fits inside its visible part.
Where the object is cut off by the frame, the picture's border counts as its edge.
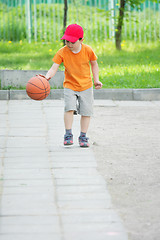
(77, 67)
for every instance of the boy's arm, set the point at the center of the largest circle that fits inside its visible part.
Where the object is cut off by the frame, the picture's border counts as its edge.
(95, 71)
(52, 71)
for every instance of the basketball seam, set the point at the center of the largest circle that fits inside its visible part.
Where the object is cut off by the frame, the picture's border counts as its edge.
(36, 86)
(37, 93)
(40, 98)
(43, 85)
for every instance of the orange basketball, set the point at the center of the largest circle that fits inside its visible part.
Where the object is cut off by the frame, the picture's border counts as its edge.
(38, 88)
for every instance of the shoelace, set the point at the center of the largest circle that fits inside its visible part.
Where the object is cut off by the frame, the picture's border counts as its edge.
(84, 139)
(68, 137)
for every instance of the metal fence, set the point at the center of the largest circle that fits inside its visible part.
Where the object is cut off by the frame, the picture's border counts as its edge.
(42, 20)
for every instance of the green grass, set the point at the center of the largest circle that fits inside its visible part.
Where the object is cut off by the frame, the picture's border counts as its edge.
(136, 66)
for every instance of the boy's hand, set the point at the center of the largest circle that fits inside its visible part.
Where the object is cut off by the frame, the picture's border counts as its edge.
(98, 85)
(41, 75)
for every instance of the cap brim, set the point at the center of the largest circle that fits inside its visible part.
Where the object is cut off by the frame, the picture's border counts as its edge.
(69, 38)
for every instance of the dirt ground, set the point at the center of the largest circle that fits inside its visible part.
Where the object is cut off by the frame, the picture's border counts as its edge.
(126, 144)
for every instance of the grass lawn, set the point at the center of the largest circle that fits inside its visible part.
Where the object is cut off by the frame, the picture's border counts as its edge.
(136, 66)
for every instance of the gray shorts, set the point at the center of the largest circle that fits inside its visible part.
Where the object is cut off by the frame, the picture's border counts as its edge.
(82, 102)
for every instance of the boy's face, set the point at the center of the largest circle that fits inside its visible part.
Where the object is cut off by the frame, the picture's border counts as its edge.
(74, 46)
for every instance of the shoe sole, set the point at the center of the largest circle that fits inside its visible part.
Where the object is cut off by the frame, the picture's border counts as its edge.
(68, 144)
(83, 146)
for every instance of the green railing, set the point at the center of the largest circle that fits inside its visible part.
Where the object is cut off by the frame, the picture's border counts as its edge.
(42, 20)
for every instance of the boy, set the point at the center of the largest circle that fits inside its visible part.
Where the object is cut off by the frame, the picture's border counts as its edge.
(78, 85)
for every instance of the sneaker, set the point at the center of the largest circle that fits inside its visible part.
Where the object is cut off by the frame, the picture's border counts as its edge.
(83, 141)
(68, 139)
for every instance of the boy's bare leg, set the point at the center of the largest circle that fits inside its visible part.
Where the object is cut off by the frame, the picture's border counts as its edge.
(85, 120)
(68, 119)
(83, 140)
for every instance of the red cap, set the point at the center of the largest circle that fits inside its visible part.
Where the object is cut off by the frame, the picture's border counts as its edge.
(73, 33)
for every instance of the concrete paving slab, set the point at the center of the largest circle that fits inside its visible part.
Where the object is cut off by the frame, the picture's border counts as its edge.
(94, 227)
(3, 132)
(29, 220)
(81, 189)
(27, 132)
(35, 209)
(29, 122)
(105, 216)
(30, 142)
(24, 229)
(31, 236)
(85, 204)
(75, 159)
(56, 104)
(11, 174)
(73, 164)
(24, 152)
(21, 114)
(17, 123)
(79, 172)
(82, 196)
(60, 151)
(28, 182)
(43, 178)
(89, 218)
(3, 122)
(39, 209)
(157, 103)
(92, 212)
(23, 190)
(96, 236)
(26, 160)
(104, 103)
(2, 142)
(15, 199)
(1, 155)
(4, 107)
(71, 181)
(26, 164)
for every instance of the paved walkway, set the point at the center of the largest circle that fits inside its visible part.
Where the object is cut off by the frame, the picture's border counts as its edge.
(49, 191)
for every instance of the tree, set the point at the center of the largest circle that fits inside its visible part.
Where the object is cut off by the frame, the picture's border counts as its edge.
(118, 33)
(122, 8)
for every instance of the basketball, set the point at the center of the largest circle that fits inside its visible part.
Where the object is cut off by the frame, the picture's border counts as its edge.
(38, 88)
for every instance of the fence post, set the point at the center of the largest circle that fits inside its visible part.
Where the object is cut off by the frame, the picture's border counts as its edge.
(111, 21)
(29, 20)
(159, 18)
(35, 21)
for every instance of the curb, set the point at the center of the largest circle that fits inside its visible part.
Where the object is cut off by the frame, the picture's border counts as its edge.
(19, 78)
(152, 94)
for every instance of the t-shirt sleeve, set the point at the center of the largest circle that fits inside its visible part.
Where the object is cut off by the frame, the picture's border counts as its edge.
(57, 58)
(92, 55)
